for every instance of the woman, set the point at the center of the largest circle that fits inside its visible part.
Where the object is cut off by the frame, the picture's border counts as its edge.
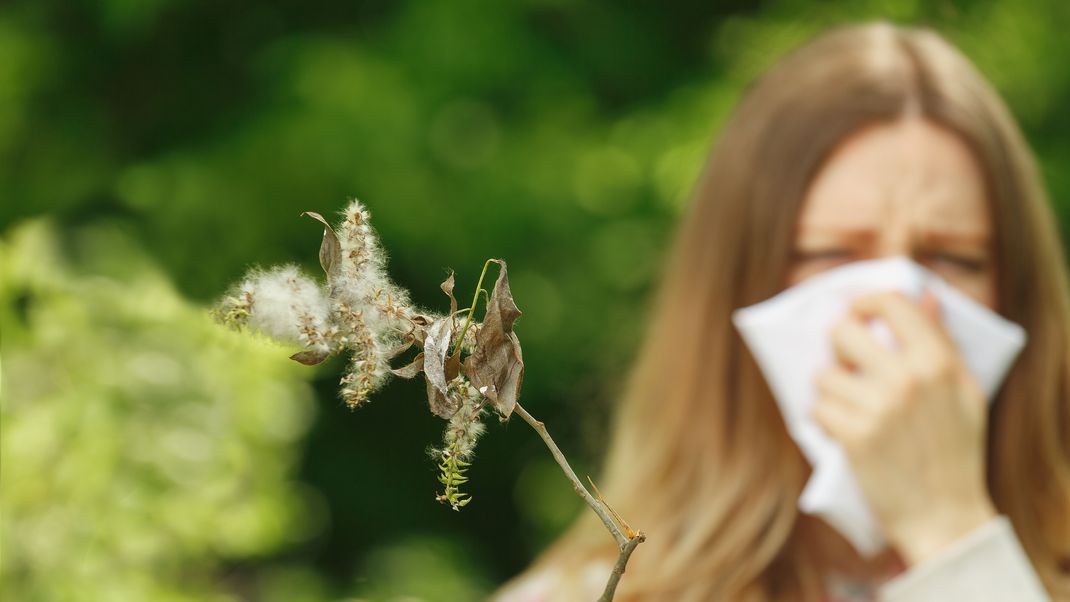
(870, 141)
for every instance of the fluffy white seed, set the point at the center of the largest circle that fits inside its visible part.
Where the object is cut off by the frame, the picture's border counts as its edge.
(288, 306)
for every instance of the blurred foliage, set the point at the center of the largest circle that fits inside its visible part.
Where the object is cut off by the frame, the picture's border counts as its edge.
(563, 136)
(143, 448)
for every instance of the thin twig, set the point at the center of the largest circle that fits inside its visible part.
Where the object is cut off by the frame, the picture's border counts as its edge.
(625, 543)
(618, 569)
(595, 505)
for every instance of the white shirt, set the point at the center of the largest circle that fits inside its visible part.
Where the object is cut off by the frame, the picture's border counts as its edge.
(986, 565)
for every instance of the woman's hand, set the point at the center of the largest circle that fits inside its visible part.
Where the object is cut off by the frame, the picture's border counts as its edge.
(912, 422)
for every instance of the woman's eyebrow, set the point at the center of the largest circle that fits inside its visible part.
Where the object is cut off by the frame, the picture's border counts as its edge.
(840, 232)
(930, 236)
(954, 236)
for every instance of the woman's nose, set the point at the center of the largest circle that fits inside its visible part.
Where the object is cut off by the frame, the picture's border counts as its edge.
(896, 239)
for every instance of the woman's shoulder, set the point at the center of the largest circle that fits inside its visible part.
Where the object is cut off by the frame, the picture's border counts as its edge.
(553, 584)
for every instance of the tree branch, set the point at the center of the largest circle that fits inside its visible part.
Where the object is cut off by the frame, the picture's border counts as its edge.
(625, 542)
(618, 569)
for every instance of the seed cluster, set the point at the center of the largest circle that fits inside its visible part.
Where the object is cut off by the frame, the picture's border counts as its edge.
(359, 311)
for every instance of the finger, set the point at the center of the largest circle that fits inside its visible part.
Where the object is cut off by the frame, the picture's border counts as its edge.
(841, 385)
(834, 417)
(909, 325)
(855, 345)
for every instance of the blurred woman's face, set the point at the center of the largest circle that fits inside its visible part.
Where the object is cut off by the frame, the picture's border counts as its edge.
(906, 188)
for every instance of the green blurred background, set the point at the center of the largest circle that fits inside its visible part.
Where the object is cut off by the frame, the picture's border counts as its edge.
(152, 150)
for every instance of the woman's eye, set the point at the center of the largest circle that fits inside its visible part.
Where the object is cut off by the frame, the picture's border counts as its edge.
(823, 255)
(961, 262)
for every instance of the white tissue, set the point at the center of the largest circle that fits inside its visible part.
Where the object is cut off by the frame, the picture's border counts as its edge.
(788, 335)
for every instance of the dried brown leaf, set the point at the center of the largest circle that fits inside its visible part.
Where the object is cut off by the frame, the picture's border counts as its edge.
(399, 349)
(496, 366)
(420, 324)
(436, 346)
(453, 365)
(411, 369)
(447, 287)
(441, 405)
(310, 357)
(511, 377)
(330, 248)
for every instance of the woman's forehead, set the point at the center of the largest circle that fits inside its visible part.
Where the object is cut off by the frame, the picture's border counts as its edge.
(908, 172)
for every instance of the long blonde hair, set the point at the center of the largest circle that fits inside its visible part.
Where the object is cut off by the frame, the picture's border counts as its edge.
(699, 457)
